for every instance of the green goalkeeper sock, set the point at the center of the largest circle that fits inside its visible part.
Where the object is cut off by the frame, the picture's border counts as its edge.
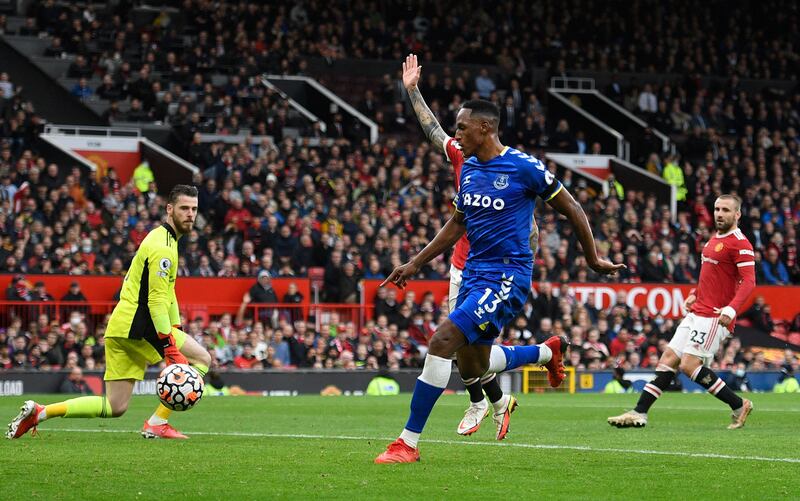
(88, 407)
(202, 369)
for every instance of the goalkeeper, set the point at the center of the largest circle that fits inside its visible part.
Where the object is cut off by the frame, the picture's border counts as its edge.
(143, 330)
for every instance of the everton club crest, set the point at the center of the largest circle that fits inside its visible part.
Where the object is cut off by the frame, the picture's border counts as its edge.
(501, 182)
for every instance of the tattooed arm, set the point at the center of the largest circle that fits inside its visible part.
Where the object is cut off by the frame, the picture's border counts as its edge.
(427, 120)
(431, 127)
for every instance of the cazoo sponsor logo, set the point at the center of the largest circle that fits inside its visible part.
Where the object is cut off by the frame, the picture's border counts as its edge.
(478, 200)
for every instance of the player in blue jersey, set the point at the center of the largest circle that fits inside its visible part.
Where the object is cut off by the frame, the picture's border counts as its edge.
(501, 358)
(494, 206)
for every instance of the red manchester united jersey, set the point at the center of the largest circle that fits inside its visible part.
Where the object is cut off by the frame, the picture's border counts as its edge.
(453, 152)
(727, 274)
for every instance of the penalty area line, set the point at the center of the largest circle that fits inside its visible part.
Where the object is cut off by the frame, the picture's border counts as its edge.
(581, 448)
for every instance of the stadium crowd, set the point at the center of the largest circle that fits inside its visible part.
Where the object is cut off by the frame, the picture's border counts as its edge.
(715, 38)
(619, 336)
(358, 209)
(158, 61)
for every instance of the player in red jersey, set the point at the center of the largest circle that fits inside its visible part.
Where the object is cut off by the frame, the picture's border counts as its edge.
(548, 353)
(727, 277)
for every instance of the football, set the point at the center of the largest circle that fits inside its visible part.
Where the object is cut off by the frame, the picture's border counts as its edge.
(179, 387)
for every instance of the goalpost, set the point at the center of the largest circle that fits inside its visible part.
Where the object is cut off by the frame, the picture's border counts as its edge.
(534, 380)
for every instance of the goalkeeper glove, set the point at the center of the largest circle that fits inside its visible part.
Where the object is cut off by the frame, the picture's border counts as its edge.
(171, 352)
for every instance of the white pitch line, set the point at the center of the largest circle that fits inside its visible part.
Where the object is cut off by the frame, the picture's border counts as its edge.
(674, 408)
(583, 448)
(617, 405)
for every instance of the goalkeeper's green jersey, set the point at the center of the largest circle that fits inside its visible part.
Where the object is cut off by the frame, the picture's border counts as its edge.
(147, 303)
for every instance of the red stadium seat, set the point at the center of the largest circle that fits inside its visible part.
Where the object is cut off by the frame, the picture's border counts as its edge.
(194, 312)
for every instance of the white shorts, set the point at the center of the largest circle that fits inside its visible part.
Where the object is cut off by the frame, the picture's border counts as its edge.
(698, 336)
(455, 286)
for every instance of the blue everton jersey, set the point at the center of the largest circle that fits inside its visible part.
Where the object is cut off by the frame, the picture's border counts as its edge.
(497, 199)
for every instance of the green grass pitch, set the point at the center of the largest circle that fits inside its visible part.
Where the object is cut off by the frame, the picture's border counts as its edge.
(559, 447)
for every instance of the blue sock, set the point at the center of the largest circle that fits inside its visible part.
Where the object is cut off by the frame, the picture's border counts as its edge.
(517, 356)
(422, 402)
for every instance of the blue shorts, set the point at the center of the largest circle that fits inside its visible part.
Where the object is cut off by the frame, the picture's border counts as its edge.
(487, 302)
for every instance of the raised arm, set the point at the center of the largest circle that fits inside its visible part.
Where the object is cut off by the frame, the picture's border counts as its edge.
(431, 127)
(568, 207)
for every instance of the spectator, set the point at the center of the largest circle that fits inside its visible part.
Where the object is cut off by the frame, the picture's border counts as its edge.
(79, 68)
(581, 147)
(562, 139)
(685, 272)
(261, 293)
(204, 268)
(737, 379)
(238, 217)
(19, 289)
(618, 384)
(50, 351)
(648, 104)
(383, 384)
(545, 330)
(333, 278)
(81, 90)
(6, 87)
(774, 270)
(247, 360)
(280, 347)
(620, 343)
(217, 387)
(293, 296)
(20, 361)
(57, 49)
(349, 285)
(484, 84)
(40, 293)
(652, 270)
(545, 305)
(137, 113)
(759, 315)
(674, 176)
(109, 90)
(620, 306)
(593, 342)
(75, 383)
(662, 121)
(143, 176)
(787, 382)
